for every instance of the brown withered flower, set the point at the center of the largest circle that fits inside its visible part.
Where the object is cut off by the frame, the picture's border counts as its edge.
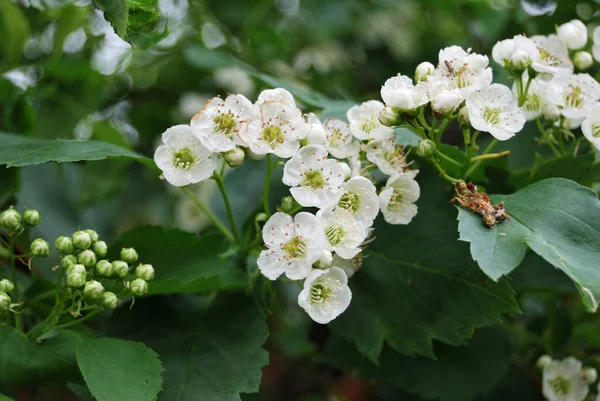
(478, 202)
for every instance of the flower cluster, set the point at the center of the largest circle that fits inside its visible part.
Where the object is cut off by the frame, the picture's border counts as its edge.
(565, 380)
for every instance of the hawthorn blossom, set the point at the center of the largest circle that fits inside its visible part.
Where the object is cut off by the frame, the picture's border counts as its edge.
(397, 199)
(325, 295)
(516, 53)
(277, 94)
(591, 126)
(445, 99)
(465, 70)
(389, 157)
(359, 197)
(537, 97)
(554, 55)
(400, 92)
(577, 95)
(564, 381)
(573, 34)
(365, 124)
(343, 232)
(336, 137)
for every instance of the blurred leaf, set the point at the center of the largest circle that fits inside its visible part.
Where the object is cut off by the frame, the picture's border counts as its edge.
(14, 32)
(5, 398)
(117, 370)
(207, 356)
(407, 296)
(557, 218)
(9, 183)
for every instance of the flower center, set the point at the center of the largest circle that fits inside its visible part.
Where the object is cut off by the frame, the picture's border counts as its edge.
(491, 115)
(335, 136)
(273, 135)
(184, 159)
(295, 248)
(533, 103)
(368, 125)
(560, 385)
(350, 201)
(548, 57)
(397, 200)
(313, 179)
(225, 123)
(574, 98)
(463, 76)
(334, 234)
(322, 291)
(395, 157)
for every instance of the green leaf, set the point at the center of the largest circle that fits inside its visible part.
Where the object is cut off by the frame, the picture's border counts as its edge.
(117, 370)
(184, 262)
(9, 183)
(25, 363)
(14, 32)
(418, 284)
(18, 151)
(557, 218)
(207, 355)
(478, 367)
(5, 398)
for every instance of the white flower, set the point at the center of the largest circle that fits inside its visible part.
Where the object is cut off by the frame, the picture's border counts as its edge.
(591, 126)
(596, 47)
(182, 157)
(279, 94)
(349, 266)
(315, 180)
(397, 199)
(388, 156)
(313, 129)
(424, 70)
(326, 294)
(278, 131)
(518, 52)
(554, 55)
(577, 95)
(293, 245)
(494, 110)
(235, 79)
(400, 92)
(445, 99)
(359, 197)
(343, 232)
(335, 136)
(218, 125)
(364, 121)
(537, 96)
(574, 34)
(563, 381)
(467, 71)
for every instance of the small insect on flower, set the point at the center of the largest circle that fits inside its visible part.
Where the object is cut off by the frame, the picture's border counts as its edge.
(479, 203)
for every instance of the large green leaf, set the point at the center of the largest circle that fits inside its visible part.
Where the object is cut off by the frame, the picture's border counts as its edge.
(117, 370)
(184, 262)
(207, 356)
(18, 151)
(419, 284)
(557, 218)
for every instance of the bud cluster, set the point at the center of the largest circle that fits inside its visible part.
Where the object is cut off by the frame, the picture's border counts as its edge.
(12, 220)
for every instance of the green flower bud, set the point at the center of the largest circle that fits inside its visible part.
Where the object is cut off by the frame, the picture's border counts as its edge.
(389, 116)
(104, 268)
(463, 117)
(93, 235)
(76, 280)
(325, 260)
(100, 249)
(76, 269)
(6, 285)
(590, 375)
(234, 157)
(93, 289)
(108, 300)
(82, 240)
(5, 302)
(129, 255)
(139, 287)
(40, 248)
(32, 217)
(67, 261)
(120, 268)
(426, 147)
(64, 245)
(10, 219)
(87, 258)
(287, 204)
(583, 60)
(543, 361)
(145, 272)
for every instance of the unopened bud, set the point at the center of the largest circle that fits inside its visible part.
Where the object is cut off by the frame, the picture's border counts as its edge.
(129, 255)
(82, 240)
(138, 287)
(287, 204)
(426, 148)
(520, 60)
(32, 217)
(347, 170)
(76, 269)
(145, 272)
(551, 112)
(543, 361)
(64, 245)
(76, 276)
(93, 289)
(5, 302)
(325, 260)
(463, 117)
(6, 286)
(424, 70)
(67, 261)
(583, 60)
(100, 249)
(108, 300)
(87, 258)
(389, 116)
(120, 268)
(40, 248)
(235, 157)
(590, 375)
(10, 219)
(104, 268)
(93, 235)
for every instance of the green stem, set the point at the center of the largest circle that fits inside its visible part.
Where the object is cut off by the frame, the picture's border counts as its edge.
(478, 162)
(78, 321)
(208, 213)
(56, 309)
(548, 139)
(523, 95)
(499, 155)
(439, 131)
(219, 179)
(447, 158)
(17, 296)
(443, 173)
(422, 121)
(265, 196)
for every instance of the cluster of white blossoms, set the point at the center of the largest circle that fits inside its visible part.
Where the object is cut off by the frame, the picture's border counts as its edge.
(566, 380)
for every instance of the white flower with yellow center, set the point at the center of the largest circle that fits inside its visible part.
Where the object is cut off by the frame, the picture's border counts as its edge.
(400, 92)
(397, 199)
(517, 53)
(325, 295)
(315, 180)
(564, 381)
(577, 95)
(389, 157)
(494, 110)
(182, 157)
(335, 136)
(591, 126)
(343, 232)
(293, 245)
(554, 55)
(465, 70)
(218, 125)
(365, 124)
(359, 197)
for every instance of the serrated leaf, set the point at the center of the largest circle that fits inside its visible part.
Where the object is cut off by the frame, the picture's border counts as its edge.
(207, 356)
(418, 284)
(557, 218)
(117, 370)
(19, 151)
(183, 261)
